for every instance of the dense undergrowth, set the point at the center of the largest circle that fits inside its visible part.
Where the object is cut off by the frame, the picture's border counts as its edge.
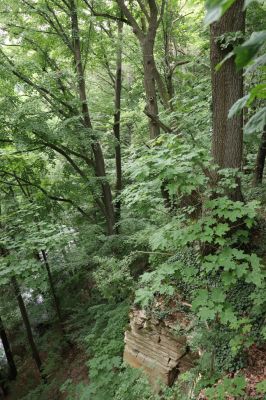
(209, 263)
(179, 234)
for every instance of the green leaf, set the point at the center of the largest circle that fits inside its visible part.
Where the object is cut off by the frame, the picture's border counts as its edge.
(257, 122)
(201, 298)
(216, 9)
(218, 296)
(261, 387)
(248, 2)
(206, 313)
(228, 316)
(245, 52)
(258, 62)
(238, 106)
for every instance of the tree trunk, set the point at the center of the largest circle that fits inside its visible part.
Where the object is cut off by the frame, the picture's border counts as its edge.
(9, 356)
(150, 85)
(52, 287)
(260, 161)
(146, 37)
(117, 115)
(227, 88)
(96, 147)
(26, 321)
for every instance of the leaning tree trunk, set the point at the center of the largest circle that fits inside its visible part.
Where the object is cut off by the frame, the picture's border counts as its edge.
(260, 160)
(227, 88)
(26, 321)
(12, 373)
(99, 163)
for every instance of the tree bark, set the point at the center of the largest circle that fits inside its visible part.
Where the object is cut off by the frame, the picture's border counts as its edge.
(150, 84)
(152, 77)
(227, 88)
(26, 321)
(9, 356)
(117, 117)
(260, 161)
(96, 147)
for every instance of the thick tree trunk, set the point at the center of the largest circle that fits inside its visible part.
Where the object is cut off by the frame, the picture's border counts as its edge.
(117, 117)
(96, 147)
(227, 88)
(260, 160)
(26, 321)
(9, 356)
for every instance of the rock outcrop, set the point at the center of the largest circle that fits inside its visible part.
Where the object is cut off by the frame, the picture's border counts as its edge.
(151, 344)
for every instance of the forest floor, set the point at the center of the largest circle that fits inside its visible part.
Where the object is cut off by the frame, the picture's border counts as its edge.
(72, 369)
(254, 373)
(256, 369)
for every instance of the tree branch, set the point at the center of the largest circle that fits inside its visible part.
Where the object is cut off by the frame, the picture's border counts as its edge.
(132, 21)
(47, 194)
(161, 12)
(143, 9)
(21, 151)
(46, 94)
(105, 15)
(154, 118)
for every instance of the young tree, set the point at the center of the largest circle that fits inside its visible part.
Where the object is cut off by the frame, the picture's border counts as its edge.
(26, 321)
(99, 163)
(8, 352)
(52, 287)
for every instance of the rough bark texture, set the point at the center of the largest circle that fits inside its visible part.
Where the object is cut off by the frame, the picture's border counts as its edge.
(9, 356)
(227, 88)
(260, 160)
(146, 34)
(99, 164)
(151, 345)
(150, 85)
(26, 321)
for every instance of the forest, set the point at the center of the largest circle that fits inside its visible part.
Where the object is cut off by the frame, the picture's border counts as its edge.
(132, 200)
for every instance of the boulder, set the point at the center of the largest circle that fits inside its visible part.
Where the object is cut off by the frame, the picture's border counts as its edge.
(152, 345)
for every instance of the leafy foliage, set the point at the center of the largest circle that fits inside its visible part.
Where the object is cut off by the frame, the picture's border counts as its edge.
(177, 237)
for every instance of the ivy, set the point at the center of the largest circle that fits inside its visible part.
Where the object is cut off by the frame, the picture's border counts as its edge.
(227, 387)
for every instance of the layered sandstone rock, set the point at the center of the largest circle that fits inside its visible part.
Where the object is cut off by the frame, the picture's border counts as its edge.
(150, 344)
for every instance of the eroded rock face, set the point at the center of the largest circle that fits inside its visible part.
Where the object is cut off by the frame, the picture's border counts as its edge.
(150, 344)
